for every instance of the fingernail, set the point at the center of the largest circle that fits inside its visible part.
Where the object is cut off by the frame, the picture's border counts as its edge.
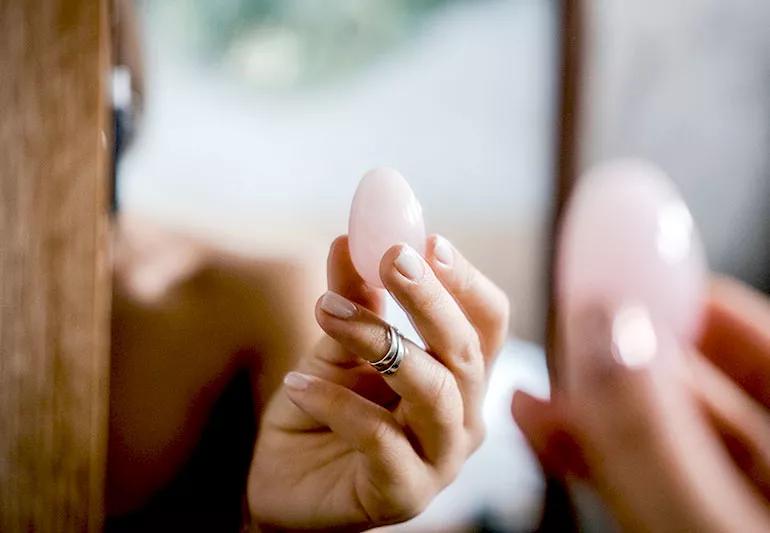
(297, 381)
(443, 251)
(338, 306)
(409, 263)
(634, 341)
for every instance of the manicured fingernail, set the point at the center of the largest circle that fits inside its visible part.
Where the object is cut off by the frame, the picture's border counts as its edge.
(409, 263)
(338, 306)
(443, 251)
(634, 340)
(297, 381)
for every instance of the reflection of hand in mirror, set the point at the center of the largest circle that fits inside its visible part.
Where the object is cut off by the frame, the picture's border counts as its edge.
(342, 445)
(683, 450)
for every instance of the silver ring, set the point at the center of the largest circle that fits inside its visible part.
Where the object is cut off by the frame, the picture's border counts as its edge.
(389, 363)
(387, 359)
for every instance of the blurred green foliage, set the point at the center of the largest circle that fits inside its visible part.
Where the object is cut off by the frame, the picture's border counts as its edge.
(289, 42)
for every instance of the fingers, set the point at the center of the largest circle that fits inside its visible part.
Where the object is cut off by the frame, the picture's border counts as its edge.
(433, 405)
(743, 423)
(345, 280)
(545, 425)
(367, 427)
(737, 336)
(486, 306)
(447, 333)
(650, 452)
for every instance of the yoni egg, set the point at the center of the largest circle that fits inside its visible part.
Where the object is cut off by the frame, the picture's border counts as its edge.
(628, 239)
(384, 212)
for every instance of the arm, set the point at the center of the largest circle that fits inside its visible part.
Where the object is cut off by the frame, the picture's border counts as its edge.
(186, 318)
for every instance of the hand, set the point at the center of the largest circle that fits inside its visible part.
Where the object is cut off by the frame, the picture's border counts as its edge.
(342, 446)
(673, 439)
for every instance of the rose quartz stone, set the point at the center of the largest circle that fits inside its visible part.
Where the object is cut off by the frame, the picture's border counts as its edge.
(384, 212)
(628, 239)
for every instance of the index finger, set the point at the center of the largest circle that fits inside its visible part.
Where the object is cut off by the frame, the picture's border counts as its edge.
(651, 453)
(343, 279)
(741, 421)
(736, 336)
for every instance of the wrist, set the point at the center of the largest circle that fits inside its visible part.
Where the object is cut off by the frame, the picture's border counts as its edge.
(256, 527)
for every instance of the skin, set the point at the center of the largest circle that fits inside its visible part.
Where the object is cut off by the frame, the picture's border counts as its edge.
(679, 443)
(352, 449)
(178, 342)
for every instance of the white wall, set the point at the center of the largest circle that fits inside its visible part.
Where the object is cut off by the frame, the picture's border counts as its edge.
(687, 85)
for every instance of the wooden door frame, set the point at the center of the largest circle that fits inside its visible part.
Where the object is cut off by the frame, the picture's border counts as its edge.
(559, 513)
(54, 264)
(571, 48)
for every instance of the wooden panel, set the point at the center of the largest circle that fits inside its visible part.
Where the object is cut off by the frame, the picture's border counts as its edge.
(571, 26)
(559, 513)
(54, 277)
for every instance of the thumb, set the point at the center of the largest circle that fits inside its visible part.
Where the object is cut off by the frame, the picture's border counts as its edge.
(651, 454)
(327, 360)
(343, 278)
(546, 426)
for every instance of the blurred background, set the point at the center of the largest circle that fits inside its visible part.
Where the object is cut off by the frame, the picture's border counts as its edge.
(259, 117)
(686, 86)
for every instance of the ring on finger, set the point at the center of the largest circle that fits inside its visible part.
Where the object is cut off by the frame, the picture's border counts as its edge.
(391, 361)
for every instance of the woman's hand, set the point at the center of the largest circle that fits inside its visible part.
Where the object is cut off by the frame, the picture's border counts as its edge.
(342, 446)
(673, 439)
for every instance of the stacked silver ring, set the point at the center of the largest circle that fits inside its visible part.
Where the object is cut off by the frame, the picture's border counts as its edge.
(394, 356)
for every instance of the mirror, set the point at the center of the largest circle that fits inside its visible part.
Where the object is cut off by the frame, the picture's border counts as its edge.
(251, 123)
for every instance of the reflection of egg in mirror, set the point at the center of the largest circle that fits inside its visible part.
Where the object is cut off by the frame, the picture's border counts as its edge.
(629, 239)
(636, 343)
(675, 228)
(384, 212)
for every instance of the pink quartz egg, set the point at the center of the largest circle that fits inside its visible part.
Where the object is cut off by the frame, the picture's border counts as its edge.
(628, 239)
(384, 212)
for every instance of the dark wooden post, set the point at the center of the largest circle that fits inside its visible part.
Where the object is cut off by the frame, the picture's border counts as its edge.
(559, 513)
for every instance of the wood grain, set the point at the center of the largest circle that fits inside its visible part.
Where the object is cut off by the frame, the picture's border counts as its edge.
(54, 275)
